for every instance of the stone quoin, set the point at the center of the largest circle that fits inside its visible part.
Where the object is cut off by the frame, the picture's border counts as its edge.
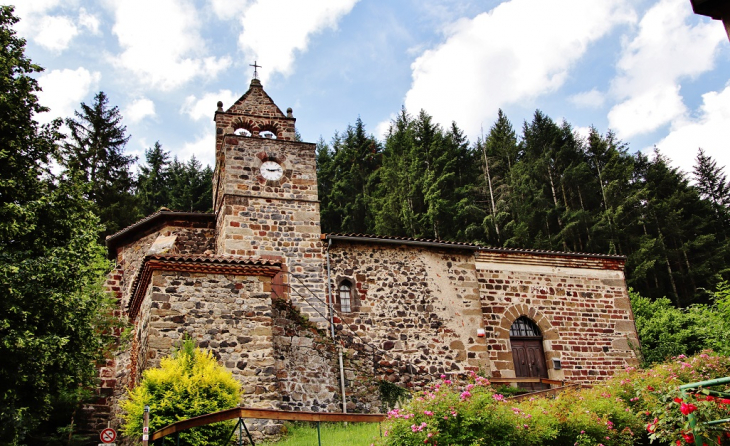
(251, 282)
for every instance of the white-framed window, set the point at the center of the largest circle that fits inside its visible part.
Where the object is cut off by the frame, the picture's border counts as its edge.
(344, 296)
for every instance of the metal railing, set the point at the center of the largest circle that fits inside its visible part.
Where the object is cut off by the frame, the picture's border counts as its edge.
(270, 414)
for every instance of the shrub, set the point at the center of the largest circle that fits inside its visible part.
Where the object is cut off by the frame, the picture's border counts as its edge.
(654, 396)
(634, 407)
(475, 415)
(188, 383)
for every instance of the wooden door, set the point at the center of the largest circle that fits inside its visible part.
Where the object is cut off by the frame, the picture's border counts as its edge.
(529, 360)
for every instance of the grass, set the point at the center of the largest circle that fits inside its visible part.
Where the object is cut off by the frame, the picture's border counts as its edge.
(331, 434)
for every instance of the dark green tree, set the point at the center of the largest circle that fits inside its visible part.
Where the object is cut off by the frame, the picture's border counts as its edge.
(712, 184)
(153, 180)
(94, 153)
(348, 168)
(53, 310)
(191, 186)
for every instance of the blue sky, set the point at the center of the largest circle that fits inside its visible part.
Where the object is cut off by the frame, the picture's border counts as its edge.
(652, 71)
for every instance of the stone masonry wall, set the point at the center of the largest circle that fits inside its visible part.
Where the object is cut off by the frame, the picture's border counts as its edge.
(584, 315)
(306, 362)
(263, 218)
(416, 315)
(230, 315)
(188, 241)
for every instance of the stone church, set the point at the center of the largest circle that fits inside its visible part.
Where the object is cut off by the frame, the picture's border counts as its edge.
(253, 282)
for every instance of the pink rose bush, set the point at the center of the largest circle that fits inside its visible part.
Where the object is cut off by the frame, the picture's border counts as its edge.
(635, 407)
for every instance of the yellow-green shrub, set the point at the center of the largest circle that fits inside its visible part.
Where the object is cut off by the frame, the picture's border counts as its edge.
(188, 383)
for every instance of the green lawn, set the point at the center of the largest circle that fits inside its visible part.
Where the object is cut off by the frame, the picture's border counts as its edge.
(332, 434)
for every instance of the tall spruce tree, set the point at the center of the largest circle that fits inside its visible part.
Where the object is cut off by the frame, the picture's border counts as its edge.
(711, 182)
(347, 184)
(190, 186)
(52, 313)
(153, 180)
(94, 153)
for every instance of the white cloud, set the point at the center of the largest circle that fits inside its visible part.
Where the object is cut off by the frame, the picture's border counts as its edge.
(205, 107)
(24, 9)
(88, 21)
(382, 128)
(203, 148)
(588, 99)
(63, 91)
(55, 33)
(162, 44)
(665, 50)
(519, 50)
(708, 130)
(582, 132)
(274, 29)
(647, 111)
(139, 109)
(229, 9)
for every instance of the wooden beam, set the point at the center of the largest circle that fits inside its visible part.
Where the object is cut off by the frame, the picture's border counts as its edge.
(270, 414)
(552, 382)
(543, 393)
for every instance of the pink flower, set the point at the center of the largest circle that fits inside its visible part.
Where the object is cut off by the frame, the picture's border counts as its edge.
(443, 376)
(427, 412)
(465, 394)
(498, 397)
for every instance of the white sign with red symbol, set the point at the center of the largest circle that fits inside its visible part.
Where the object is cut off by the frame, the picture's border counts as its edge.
(108, 435)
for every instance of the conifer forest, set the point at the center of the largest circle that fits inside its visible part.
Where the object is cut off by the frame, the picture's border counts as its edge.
(542, 187)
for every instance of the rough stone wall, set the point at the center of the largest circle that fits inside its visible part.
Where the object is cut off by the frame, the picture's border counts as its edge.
(230, 315)
(416, 315)
(263, 218)
(306, 362)
(584, 314)
(130, 256)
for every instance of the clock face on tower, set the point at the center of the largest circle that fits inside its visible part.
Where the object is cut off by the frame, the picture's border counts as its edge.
(271, 170)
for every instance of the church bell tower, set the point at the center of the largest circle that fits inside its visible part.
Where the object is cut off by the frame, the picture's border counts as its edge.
(265, 194)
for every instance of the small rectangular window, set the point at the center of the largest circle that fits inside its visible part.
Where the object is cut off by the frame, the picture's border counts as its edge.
(345, 297)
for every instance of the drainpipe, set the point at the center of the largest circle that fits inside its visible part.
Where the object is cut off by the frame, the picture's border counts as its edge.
(332, 327)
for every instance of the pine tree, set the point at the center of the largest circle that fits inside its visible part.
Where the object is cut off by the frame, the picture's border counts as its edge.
(190, 186)
(153, 181)
(94, 153)
(712, 184)
(348, 183)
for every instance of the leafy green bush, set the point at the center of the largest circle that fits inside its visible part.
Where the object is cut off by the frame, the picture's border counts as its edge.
(475, 415)
(635, 407)
(666, 331)
(654, 396)
(187, 384)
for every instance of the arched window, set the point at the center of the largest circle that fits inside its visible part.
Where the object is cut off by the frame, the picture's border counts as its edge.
(242, 132)
(344, 296)
(267, 134)
(524, 328)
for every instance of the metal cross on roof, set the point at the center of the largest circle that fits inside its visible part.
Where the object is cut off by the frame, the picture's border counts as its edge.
(255, 69)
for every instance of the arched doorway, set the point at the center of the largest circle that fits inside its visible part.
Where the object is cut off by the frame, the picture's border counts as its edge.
(527, 352)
